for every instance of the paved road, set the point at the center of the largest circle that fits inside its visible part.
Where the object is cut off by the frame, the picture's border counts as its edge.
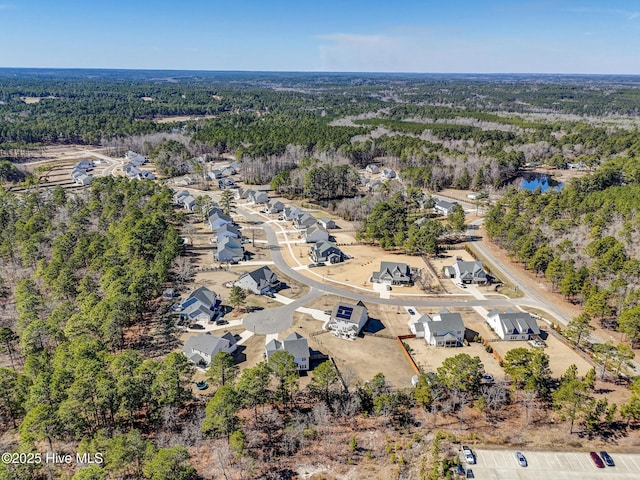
(276, 320)
(278, 260)
(502, 465)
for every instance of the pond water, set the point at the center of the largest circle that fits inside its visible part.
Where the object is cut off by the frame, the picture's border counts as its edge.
(532, 181)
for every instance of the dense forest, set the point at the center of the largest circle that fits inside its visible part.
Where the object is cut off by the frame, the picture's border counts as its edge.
(583, 239)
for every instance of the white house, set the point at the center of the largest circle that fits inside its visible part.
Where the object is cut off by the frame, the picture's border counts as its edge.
(327, 223)
(512, 325)
(82, 179)
(443, 207)
(348, 319)
(296, 345)
(388, 173)
(229, 250)
(444, 330)
(416, 325)
(200, 349)
(372, 168)
(189, 203)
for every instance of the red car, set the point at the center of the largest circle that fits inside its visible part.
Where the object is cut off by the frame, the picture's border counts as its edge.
(596, 459)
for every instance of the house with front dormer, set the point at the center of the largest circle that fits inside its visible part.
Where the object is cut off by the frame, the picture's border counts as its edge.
(513, 325)
(445, 329)
(291, 213)
(296, 345)
(467, 272)
(326, 252)
(259, 281)
(393, 273)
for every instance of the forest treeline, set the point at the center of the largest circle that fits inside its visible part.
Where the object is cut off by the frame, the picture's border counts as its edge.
(82, 268)
(583, 239)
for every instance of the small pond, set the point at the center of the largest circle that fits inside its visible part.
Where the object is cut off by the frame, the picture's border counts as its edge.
(532, 181)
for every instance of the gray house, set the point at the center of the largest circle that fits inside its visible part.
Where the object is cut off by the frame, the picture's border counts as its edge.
(217, 220)
(327, 223)
(326, 252)
(291, 213)
(274, 206)
(259, 281)
(393, 273)
(258, 197)
(229, 250)
(296, 345)
(444, 330)
(467, 272)
(226, 184)
(315, 233)
(228, 230)
(189, 203)
(304, 221)
(200, 349)
(201, 305)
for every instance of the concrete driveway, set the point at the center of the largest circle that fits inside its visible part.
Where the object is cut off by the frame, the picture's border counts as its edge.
(276, 320)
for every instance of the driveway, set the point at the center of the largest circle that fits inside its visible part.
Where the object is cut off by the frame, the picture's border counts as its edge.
(276, 320)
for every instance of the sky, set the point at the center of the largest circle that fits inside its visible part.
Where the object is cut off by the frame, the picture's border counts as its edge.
(423, 36)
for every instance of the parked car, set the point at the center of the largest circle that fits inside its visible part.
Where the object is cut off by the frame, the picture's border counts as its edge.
(596, 459)
(470, 473)
(487, 378)
(521, 459)
(607, 459)
(411, 311)
(469, 457)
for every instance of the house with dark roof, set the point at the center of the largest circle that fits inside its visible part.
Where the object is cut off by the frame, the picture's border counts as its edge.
(296, 345)
(274, 206)
(178, 197)
(304, 221)
(388, 173)
(291, 213)
(393, 273)
(226, 184)
(81, 178)
(513, 325)
(228, 170)
(214, 174)
(443, 207)
(259, 281)
(258, 197)
(467, 272)
(326, 252)
(348, 319)
(445, 329)
(242, 193)
(201, 305)
(135, 159)
(201, 349)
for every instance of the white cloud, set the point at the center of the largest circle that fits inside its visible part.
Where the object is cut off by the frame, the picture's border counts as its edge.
(628, 14)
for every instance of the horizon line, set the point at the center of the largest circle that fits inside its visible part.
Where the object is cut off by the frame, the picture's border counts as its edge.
(318, 72)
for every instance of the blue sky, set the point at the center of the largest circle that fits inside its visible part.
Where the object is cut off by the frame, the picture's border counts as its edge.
(454, 36)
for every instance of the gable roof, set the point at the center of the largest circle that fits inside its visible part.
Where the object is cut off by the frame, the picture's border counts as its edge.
(296, 345)
(263, 277)
(443, 323)
(348, 312)
(324, 246)
(205, 343)
(394, 269)
(516, 323)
